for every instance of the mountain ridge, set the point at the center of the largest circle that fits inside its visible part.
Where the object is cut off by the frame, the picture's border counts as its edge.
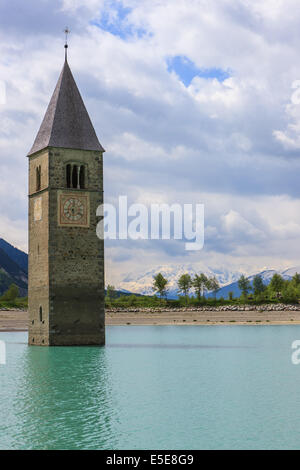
(18, 256)
(228, 280)
(14, 269)
(11, 273)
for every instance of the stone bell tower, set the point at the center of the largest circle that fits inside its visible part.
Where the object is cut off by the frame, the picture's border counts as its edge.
(66, 259)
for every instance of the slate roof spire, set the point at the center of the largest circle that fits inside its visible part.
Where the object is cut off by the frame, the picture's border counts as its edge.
(66, 123)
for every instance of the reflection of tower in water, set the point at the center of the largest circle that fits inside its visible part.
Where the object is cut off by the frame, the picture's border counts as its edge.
(64, 400)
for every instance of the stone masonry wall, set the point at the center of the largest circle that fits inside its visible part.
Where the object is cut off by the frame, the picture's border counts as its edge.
(38, 253)
(66, 264)
(76, 257)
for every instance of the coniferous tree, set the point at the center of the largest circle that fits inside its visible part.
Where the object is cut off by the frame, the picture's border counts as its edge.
(213, 285)
(11, 294)
(277, 283)
(296, 280)
(160, 285)
(111, 292)
(185, 285)
(244, 285)
(258, 285)
(198, 283)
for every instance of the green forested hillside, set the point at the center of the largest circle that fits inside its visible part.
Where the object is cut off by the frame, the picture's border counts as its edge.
(18, 256)
(11, 273)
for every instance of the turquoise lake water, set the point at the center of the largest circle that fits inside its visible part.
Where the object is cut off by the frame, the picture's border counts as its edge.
(189, 387)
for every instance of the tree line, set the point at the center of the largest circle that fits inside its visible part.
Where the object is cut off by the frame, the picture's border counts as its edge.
(194, 290)
(279, 288)
(11, 298)
(10, 294)
(200, 283)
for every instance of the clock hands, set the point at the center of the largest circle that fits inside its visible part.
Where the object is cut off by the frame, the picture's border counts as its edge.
(74, 209)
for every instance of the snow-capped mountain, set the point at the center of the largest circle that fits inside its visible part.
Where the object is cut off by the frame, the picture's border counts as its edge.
(269, 273)
(142, 283)
(266, 276)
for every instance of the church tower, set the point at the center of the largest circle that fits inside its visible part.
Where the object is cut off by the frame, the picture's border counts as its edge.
(66, 258)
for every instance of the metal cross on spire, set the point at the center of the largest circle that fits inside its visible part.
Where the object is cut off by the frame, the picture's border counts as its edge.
(66, 31)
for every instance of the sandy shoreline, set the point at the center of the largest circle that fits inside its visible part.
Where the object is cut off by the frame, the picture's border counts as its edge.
(12, 320)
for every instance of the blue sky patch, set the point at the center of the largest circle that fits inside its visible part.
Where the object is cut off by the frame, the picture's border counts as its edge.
(118, 24)
(187, 70)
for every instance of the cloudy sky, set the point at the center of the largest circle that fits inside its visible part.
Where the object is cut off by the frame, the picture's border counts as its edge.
(195, 101)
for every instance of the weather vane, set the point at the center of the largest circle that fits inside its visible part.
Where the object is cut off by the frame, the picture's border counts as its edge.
(66, 31)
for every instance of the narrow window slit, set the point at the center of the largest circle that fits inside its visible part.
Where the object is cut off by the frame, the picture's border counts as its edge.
(38, 178)
(81, 177)
(68, 176)
(75, 177)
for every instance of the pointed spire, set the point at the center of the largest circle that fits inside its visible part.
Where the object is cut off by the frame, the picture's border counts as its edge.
(66, 123)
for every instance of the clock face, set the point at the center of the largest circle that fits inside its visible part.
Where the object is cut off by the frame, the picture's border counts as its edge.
(73, 209)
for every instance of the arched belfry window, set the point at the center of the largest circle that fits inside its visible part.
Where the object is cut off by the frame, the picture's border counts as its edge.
(68, 176)
(81, 177)
(38, 178)
(75, 176)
